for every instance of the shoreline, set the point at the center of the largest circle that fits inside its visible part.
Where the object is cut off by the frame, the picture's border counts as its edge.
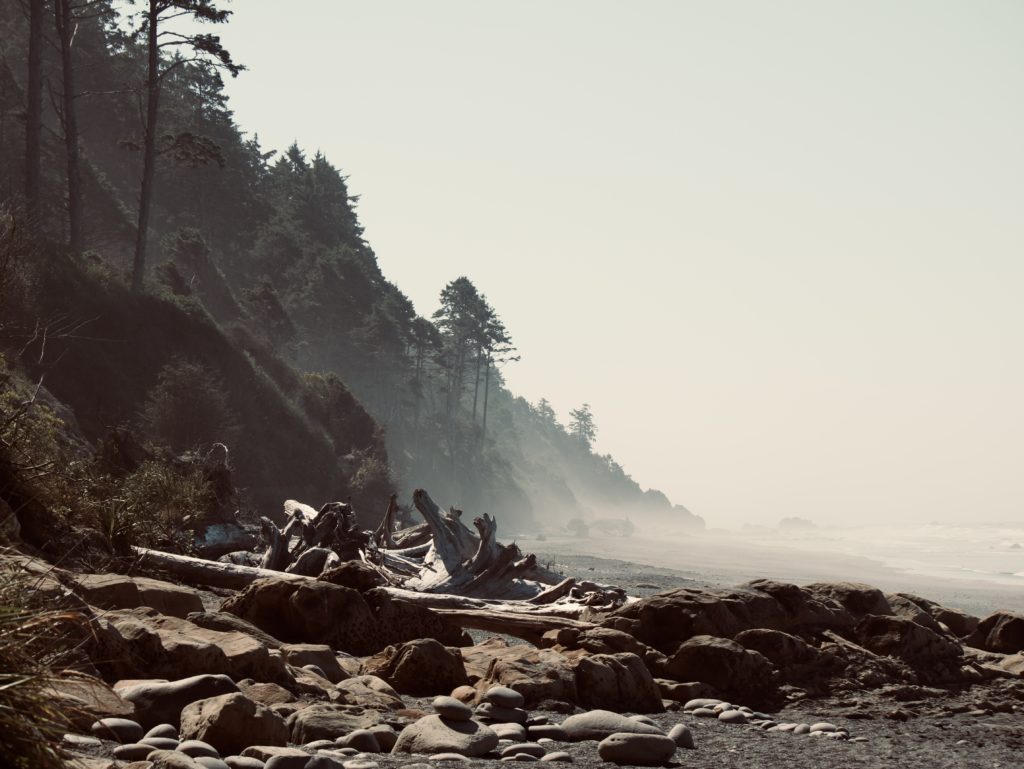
(730, 561)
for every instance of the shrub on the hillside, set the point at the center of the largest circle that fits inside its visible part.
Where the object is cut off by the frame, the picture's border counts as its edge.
(188, 407)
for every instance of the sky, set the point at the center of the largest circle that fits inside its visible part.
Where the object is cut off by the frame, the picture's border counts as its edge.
(776, 246)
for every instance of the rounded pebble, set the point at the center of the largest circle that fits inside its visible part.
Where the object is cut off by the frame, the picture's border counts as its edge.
(123, 730)
(451, 708)
(682, 736)
(196, 748)
(81, 741)
(357, 763)
(530, 748)
(345, 749)
(243, 762)
(823, 726)
(363, 740)
(802, 729)
(211, 763)
(448, 757)
(733, 717)
(702, 702)
(505, 697)
(704, 713)
(558, 756)
(163, 730)
(160, 743)
(132, 752)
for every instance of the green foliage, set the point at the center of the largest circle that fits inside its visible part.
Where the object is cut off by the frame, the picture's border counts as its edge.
(188, 407)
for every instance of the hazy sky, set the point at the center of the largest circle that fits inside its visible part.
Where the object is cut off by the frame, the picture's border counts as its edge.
(777, 246)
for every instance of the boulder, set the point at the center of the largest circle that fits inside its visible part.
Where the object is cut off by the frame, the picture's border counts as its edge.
(779, 648)
(307, 612)
(904, 606)
(637, 749)
(229, 623)
(159, 702)
(133, 641)
(421, 668)
(929, 653)
(84, 698)
(666, 619)
(172, 759)
(617, 682)
(598, 724)
(434, 734)
(323, 721)
(321, 655)
(724, 664)
(369, 692)
(123, 730)
(1002, 631)
(117, 591)
(858, 599)
(230, 721)
(683, 692)
(959, 623)
(265, 693)
(537, 674)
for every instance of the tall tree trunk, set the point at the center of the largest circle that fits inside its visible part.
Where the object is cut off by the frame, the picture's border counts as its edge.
(149, 151)
(476, 382)
(34, 111)
(63, 20)
(487, 389)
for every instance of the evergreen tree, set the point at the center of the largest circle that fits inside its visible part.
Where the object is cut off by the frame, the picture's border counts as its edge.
(581, 425)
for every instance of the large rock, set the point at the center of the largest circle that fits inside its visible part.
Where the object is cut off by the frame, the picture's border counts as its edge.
(229, 623)
(637, 749)
(369, 692)
(666, 619)
(141, 641)
(617, 682)
(932, 655)
(354, 574)
(308, 611)
(322, 721)
(230, 722)
(598, 724)
(1001, 632)
(83, 699)
(731, 669)
(421, 668)
(434, 734)
(117, 591)
(856, 598)
(537, 674)
(160, 702)
(321, 655)
(904, 606)
(781, 649)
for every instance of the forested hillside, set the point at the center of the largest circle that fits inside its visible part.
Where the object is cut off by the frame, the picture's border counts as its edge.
(251, 310)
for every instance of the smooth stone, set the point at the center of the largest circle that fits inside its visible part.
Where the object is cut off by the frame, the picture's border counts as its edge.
(514, 732)
(559, 756)
(324, 761)
(281, 761)
(356, 763)
(704, 713)
(801, 729)
(547, 731)
(81, 741)
(598, 724)
(520, 757)
(167, 731)
(345, 750)
(449, 707)
(823, 726)
(315, 745)
(701, 702)
(637, 749)
(766, 725)
(160, 743)
(492, 712)
(682, 736)
(733, 717)
(644, 719)
(210, 762)
(132, 752)
(783, 728)
(123, 730)
(386, 736)
(724, 706)
(418, 765)
(243, 762)
(196, 748)
(432, 734)
(531, 748)
(505, 697)
(863, 739)
(363, 740)
(545, 741)
(448, 757)
(537, 721)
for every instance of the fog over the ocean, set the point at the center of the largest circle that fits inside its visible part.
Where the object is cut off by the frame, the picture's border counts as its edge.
(776, 246)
